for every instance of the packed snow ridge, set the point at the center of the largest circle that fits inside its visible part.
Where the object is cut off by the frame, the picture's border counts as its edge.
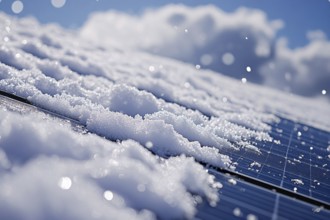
(165, 115)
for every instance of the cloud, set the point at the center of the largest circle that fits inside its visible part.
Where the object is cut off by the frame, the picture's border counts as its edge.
(304, 71)
(316, 35)
(241, 44)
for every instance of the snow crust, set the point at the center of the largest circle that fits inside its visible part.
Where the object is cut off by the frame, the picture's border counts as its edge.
(165, 115)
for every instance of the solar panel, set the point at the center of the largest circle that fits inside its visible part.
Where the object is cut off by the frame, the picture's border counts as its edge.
(289, 179)
(240, 199)
(296, 160)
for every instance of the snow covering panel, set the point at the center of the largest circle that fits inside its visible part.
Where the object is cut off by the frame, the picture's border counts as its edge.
(167, 116)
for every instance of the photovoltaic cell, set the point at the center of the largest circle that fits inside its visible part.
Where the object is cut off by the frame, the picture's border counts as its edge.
(296, 160)
(243, 200)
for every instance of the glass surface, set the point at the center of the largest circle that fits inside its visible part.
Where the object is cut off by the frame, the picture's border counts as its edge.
(298, 161)
(246, 201)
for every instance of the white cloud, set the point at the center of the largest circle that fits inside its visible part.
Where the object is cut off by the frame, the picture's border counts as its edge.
(316, 35)
(207, 36)
(201, 35)
(305, 71)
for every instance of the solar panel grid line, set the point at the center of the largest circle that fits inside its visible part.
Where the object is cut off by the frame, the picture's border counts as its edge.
(285, 212)
(256, 202)
(296, 180)
(269, 178)
(310, 175)
(300, 210)
(273, 187)
(313, 136)
(288, 182)
(323, 137)
(265, 201)
(263, 165)
(292, 160)
(313, 145)
(241, 158)
(302, 142)
(320, 196)
(312, 158)
(275, 211)
(259, 173)
(315, 158)
(306, 147)
(247, 205)
(316, 163)
(297, 159)
(309, 147)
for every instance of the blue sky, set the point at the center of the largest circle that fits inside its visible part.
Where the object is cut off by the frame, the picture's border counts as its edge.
(299, 16)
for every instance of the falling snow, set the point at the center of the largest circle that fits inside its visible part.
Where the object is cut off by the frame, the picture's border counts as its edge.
(17, 7)
(160, 114)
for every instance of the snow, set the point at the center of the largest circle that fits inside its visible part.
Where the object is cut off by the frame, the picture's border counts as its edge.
(165, 116)
(297, 181)
(255, 164)
(86, 166)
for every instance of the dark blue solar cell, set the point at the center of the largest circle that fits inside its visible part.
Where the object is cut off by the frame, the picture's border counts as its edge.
(270, 174)
(236, 201)
(320, 174)
(300, 169)
(275, 161)
(297, 160)
(294, 209)
(323, 196)
(243, 200)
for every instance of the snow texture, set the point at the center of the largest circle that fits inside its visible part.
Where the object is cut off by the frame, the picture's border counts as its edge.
(164, 114)
(67, 174)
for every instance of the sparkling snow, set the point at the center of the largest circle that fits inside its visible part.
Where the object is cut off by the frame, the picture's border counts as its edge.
(49, 157)
(163, 116)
